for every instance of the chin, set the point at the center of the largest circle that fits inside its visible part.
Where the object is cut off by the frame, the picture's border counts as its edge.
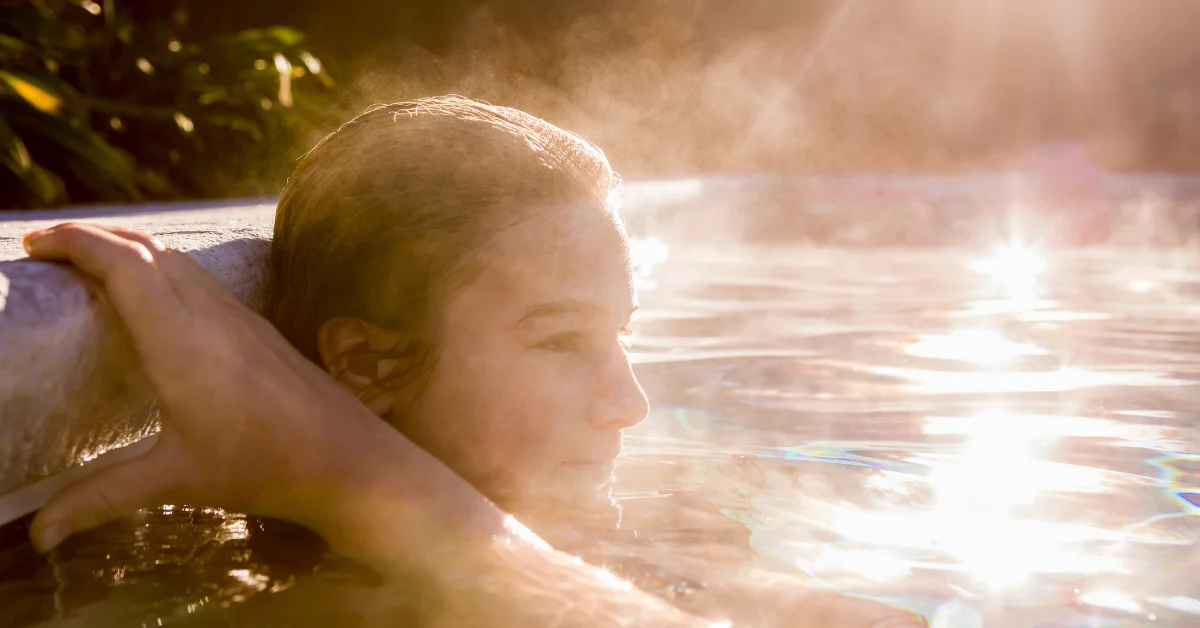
(584, 505)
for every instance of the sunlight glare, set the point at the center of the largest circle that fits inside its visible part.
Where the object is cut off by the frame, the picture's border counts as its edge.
(250, 578)
(613, 581)
(1110, 599)
(1015, 269)
(981, 346)
(1141, 286)
(522, 536)
(978, 495)
(1011, 262)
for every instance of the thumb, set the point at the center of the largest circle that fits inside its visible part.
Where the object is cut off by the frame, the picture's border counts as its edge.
(109, 493)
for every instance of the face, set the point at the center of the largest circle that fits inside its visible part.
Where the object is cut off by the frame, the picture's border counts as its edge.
(532, 386)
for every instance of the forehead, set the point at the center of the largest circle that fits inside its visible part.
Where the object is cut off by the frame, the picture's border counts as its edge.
(575, 253)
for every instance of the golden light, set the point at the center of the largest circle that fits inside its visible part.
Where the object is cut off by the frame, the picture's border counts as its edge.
(249, 578)
(980, 517)
(522, 536)
(1015, 270)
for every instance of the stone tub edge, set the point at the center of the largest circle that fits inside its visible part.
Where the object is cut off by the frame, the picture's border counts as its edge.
(70, 386)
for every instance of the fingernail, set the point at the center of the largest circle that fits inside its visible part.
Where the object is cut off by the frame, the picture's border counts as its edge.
(30, 238)
(51, 536)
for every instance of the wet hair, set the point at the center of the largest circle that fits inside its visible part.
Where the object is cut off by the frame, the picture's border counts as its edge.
(385, 219)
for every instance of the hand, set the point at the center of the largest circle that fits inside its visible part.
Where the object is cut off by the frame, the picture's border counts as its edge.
(247, 422)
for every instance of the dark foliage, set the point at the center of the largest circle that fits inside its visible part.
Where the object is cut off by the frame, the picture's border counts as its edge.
(96, 106)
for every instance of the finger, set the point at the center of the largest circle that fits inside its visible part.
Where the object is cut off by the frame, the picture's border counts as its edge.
(153, 244)
(143, 297)
(187, 277)
(109, 493)
(170, 261)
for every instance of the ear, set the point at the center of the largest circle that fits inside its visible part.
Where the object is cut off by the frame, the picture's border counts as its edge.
(339, 339)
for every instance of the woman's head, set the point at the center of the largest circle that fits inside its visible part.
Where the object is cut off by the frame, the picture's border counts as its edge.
(464, 269)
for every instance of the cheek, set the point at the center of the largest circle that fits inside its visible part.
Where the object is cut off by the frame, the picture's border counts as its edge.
(501, 416)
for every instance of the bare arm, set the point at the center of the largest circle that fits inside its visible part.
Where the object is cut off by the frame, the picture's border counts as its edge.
(249, 424)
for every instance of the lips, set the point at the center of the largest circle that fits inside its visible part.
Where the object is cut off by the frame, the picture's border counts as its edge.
(587, 465)
(608, 458)
(595, 474)
(589, 462)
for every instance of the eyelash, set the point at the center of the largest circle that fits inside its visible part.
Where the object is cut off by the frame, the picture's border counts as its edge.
(573, 340)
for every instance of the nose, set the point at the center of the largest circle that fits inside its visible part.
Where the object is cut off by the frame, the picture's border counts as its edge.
(620, 401)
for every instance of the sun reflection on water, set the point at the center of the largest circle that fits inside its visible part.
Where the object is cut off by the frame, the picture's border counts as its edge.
(1013, 264)
(981, 346)
(978, 495)
(980, 513)
(932, 382)
(1015, 270)
(1001, 448)
(1110, 599)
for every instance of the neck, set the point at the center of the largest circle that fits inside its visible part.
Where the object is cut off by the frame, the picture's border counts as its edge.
(571, 526)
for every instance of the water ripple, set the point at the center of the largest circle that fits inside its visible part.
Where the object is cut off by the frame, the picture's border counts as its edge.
(1003, 439)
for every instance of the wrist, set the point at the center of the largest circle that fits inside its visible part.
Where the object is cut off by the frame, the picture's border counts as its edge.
(387, 503)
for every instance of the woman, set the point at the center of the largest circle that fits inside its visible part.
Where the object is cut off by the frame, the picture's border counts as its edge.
(450, 284)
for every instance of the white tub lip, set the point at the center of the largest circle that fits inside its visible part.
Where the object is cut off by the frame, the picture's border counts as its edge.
(32, 497)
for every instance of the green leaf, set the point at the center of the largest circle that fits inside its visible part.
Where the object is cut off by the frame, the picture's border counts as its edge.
(44, 91)
(125, 109)
(238, 123)
(32, 92)
(278, 35)
(212, 95)
(12, 45)
(13, 148)
(316, 68)
(42, 184)
(105, 161)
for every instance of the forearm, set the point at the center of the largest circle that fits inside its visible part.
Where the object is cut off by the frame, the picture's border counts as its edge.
(400, 511)
(523, 586)
(509, 578)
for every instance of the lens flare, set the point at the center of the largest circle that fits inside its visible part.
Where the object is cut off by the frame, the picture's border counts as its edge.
(1015, 269)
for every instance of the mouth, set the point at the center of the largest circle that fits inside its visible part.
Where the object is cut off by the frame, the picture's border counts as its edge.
(595, 473)
(607, 458)
(590, 465)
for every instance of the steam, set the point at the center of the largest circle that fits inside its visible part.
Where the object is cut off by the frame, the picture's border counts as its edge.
(676, 89)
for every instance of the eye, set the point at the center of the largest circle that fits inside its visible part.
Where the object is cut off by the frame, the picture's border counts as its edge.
(568, 341)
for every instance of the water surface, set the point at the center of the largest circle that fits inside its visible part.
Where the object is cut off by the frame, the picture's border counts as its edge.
(989, 437)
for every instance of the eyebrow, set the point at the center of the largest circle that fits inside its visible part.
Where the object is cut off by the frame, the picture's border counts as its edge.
(569, 306)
